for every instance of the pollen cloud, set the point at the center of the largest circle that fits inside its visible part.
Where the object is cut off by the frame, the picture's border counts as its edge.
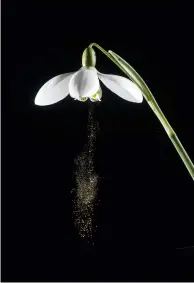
(86, 182)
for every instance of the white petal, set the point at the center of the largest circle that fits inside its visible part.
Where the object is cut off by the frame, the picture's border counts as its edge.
(54, 90)
(84, 83)
(123, 87)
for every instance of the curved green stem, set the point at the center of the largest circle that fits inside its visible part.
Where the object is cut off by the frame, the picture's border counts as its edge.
(135, 77)
(108, 55)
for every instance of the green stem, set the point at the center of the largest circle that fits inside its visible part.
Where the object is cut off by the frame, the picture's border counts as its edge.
(135, 77)
(108, 55)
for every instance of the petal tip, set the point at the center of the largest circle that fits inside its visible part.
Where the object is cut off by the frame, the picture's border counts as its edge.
(36, 101)
(39, 102)
(140, 100)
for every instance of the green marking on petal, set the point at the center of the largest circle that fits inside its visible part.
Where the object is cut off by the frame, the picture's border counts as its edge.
(96, 95)
(84, 98)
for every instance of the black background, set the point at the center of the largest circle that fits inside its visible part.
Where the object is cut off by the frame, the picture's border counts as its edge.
(146, 194)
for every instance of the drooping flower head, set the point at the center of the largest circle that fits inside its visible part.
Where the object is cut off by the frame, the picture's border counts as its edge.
(84, 84)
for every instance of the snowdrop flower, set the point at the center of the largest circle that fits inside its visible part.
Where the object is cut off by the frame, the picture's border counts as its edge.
(85, 84)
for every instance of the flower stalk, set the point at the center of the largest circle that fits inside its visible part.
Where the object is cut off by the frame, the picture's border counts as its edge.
(135, 77)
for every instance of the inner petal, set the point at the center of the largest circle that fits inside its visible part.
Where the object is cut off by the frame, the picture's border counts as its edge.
(97, 96)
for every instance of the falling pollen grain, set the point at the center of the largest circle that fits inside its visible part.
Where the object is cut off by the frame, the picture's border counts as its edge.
(86, 181)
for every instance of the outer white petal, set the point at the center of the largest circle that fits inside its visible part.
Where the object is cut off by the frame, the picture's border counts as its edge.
(84, 83)
(54, 90)
(123, 87)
